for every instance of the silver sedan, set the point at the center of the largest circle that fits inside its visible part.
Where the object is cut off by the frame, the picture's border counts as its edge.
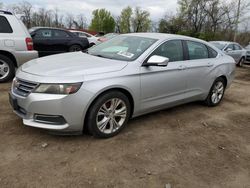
(125, 77)
(232, 49)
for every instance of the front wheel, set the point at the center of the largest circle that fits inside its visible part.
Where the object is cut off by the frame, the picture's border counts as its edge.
(216, 92)
(241, 62)
(108, 115)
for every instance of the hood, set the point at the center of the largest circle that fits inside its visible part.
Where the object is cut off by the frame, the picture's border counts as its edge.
(71, 64)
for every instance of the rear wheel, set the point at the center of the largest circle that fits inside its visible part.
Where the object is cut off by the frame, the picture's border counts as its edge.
(7, 69)
(75, 48)
(108, 115)
(216, 92)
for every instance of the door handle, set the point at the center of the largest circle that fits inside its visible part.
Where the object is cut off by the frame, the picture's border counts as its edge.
(209, 64)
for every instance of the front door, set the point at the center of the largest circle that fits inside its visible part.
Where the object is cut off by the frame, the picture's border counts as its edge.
(164, 86)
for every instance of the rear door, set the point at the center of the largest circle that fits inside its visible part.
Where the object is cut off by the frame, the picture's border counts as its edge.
(61, 40)
(198, 68)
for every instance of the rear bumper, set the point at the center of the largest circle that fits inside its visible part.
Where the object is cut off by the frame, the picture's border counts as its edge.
(24, 56)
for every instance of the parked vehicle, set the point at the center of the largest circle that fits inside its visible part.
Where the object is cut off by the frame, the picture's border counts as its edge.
(232, 49)
(127, 76)
(16, 46)
(248, 53)
(91, 38)
(107, 37)
(48, 41)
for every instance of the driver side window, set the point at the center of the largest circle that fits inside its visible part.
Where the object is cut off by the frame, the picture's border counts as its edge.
(170, 49)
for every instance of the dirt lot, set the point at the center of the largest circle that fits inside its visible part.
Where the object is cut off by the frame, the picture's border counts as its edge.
(187, 146)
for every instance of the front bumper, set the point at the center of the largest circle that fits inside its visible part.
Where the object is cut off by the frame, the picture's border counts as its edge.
(25, 56)
(72, 108)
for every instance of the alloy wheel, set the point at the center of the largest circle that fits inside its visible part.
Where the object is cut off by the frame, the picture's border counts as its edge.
(4, 69)
(111, 116)
(217, 92)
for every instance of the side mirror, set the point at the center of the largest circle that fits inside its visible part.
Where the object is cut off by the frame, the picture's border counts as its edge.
(157, 60)
(229, 49)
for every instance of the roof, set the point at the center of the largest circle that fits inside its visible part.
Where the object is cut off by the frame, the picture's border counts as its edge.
(163, 36)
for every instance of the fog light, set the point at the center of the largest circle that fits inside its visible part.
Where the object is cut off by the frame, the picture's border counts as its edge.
(49, 119)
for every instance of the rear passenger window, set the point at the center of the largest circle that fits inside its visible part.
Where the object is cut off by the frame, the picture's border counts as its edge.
(170, 49)
(60, 34)
(237, 47)
(5, 26)
(197, 50)
(43, 33)
(212, 53)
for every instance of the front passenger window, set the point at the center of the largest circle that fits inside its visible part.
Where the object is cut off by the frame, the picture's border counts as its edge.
(170, 49)
(197, 50)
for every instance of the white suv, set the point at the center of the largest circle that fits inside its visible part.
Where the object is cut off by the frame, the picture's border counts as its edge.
(16, 46)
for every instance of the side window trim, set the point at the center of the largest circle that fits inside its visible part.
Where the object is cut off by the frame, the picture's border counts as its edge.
(8, 23)
(187, 51)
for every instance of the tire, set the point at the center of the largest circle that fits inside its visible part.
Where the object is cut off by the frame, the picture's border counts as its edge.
(241, 62)
(216, 92)
(75, 48)
(108, 123)
(7, 69)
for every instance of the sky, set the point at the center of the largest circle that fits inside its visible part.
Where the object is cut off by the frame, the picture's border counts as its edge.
(157, 8)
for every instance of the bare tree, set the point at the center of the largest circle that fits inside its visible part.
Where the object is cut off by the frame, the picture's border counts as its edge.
(69, 20)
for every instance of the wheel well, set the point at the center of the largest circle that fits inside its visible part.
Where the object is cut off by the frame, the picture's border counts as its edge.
(9, 55)
(124, 91)
(225, 79)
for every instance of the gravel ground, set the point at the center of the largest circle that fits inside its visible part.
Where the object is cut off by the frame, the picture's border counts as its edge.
(186, 146)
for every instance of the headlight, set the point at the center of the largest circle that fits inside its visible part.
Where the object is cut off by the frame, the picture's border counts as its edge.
(63, 89)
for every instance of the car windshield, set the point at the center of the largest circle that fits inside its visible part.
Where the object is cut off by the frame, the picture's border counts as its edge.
(126, 48)
(218, 45)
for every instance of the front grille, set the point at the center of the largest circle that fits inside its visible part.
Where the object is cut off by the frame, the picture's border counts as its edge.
(23, 88)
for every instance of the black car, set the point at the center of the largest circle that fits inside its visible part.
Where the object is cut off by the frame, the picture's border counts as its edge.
(48, 41)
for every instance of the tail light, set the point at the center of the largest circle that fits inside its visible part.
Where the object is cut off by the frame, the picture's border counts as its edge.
(29, 43)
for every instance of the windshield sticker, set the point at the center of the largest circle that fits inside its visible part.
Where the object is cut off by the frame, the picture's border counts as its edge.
(126, 54)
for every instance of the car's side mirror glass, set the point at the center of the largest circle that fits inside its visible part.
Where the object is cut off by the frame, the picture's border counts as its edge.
(157, 60)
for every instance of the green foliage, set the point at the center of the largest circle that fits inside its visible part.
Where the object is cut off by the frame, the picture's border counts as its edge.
(125, 21)
(102, 21)
(141, 20)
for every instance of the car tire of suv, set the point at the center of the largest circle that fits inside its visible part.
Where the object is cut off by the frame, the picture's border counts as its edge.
(75, 48)
(216, 92)
(108, 114)
(6, 63)
(241, 62)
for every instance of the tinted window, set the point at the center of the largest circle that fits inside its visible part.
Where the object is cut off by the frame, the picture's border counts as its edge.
(171, 49)
(60, 34)
(230, 46)
(237, 47)
(197, 50)
(5, 26)
(43, 33)
(84, 35)
(212, 53)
